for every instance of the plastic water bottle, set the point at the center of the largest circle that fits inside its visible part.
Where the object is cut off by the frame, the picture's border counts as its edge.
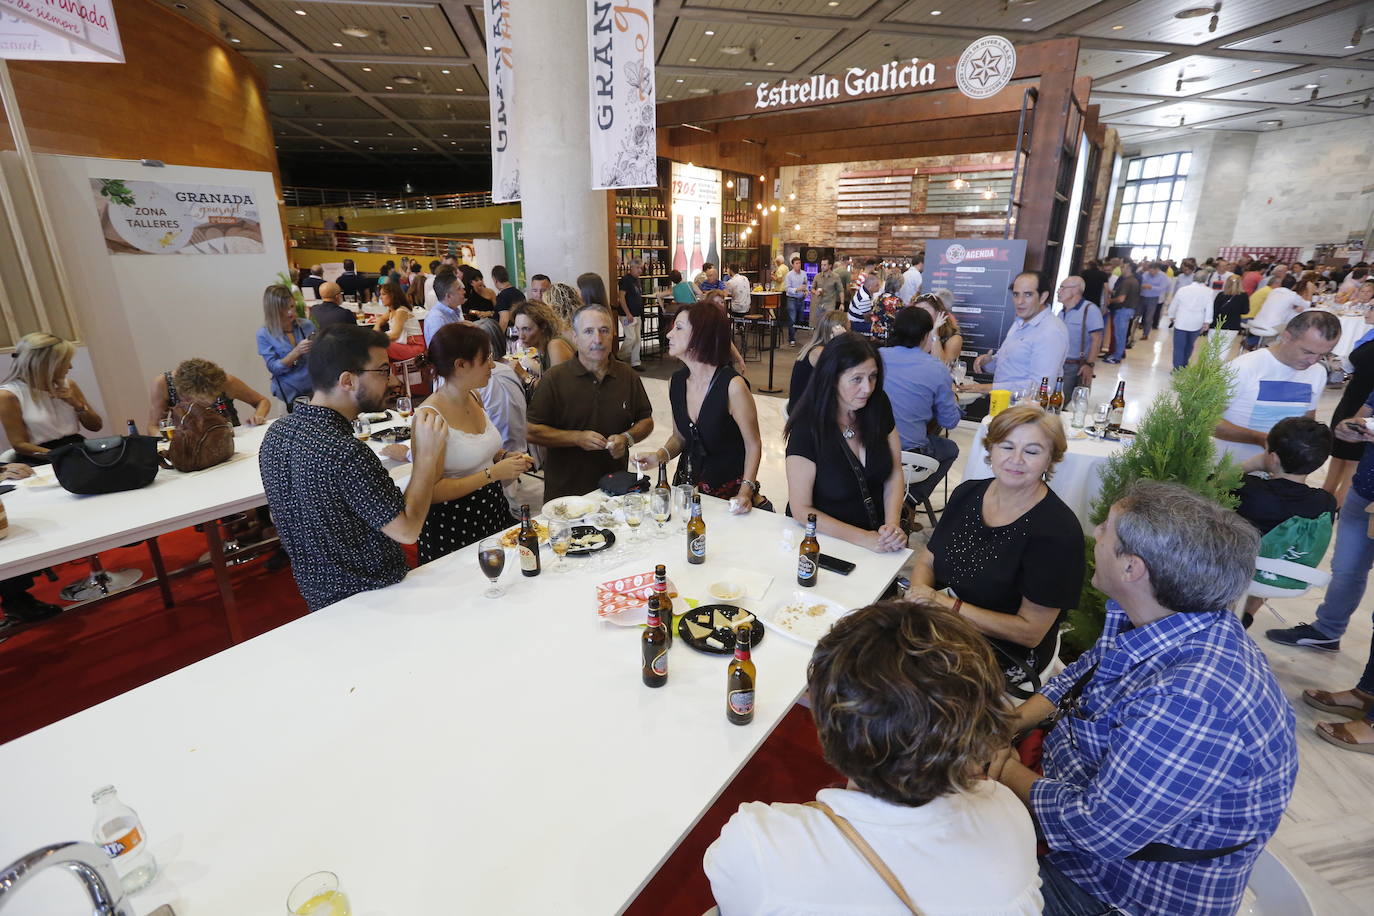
(120, 833)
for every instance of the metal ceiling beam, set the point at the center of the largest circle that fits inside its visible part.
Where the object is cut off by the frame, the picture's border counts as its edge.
(400, 60)
(469, 34)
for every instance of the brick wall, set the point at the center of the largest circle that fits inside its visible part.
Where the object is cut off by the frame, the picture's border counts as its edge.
(815, 187)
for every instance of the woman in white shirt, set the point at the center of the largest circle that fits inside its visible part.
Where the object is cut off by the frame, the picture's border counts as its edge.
(468, 502)
(908, 705)
(41, 409)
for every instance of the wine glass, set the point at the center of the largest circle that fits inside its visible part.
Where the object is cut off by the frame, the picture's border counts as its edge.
(633, 504)
(959, 371)
(682, 502)
(167, 427)
(318, 894)
(405, 408)
(660, 507)
(362, 430)
(491, 557)
(560, 538)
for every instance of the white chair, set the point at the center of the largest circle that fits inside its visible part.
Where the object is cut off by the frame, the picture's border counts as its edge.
(1263, 332)
(1273, 890)
(1308, 575)
(917, 468)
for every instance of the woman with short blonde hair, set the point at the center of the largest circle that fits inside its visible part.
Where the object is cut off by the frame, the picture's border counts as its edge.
(41, 409)
(284, 342)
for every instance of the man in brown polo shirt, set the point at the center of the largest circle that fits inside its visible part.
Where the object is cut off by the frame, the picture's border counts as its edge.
(588, 412)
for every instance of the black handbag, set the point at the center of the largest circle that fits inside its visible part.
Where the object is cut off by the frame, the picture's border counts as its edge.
(109, 465)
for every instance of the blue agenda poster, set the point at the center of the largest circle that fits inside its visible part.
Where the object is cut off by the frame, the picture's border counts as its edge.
(979, 273)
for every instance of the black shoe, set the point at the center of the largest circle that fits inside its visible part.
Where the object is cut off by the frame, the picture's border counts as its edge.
(28, 609)
(1305, 636)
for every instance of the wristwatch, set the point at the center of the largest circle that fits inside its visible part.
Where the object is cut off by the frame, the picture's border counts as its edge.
(753, 485)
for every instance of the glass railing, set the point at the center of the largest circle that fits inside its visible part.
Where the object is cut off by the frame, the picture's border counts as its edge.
(415, 246)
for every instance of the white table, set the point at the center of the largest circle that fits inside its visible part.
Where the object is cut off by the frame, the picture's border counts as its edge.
(1353, 327)
(1077, 479)
(442, 752)
(49, 526)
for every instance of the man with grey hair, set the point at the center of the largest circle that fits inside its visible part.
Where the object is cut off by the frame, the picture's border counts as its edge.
(589, 411)
(1283, 380)
(1083, 319)
(1173, 755)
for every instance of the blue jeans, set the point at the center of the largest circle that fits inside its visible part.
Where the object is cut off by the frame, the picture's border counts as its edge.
(1064, 898)
(794, 312)
(1121, 326)
(1350, 562)
(1183, 346)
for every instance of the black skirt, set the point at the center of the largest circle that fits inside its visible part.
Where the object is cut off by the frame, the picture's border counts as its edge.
(459, 522)
(1357, 391)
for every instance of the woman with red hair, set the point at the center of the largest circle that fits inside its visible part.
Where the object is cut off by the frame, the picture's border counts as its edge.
(715, 422)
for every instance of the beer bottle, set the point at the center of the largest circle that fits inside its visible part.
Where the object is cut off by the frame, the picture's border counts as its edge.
(808, 555)
(1117, 410)
(696, 533)
(132, 428)
(662, 489)
(1044, 396)
(739, 680)
(1057, 398)
(654, 648)
(665, 603)
(528, 544)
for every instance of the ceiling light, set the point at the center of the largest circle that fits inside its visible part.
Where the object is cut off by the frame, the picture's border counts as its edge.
(388, 87)
(428, 48)
(698, 91)
(782, 209)
(1271, 123)
(833, 3)
(710, 32)
(367, 69)
(278, 66)
(667, 96)
(792, 196)
(989, 194)
(749, 83)
(337, 44)
(761, 178)
(446, 72)
(459, 89)
(730, 183)
(691, 60)
(732, 50)
(356, 31)
(1195, 12)
(1025, 19)
(235, 40)
(404, 80)
(678, 81)
(934, 12)
(1310, 86)
(769, 64)
(796, 227)
(1257, 70)
(300, 12)
(1117, 28)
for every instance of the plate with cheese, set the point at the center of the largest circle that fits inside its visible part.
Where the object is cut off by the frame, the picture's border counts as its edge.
(710, 628)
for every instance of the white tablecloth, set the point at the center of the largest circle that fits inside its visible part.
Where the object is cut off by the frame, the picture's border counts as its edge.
(1353, 327)
(1076, 479)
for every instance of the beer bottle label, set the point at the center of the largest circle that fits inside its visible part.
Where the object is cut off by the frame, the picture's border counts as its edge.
(741, 702)
(660, 664)
(806, 568)
(697, 546)
(1114, 416)
(527, 558)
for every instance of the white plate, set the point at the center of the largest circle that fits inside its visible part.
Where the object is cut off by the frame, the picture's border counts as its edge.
(43, 477)
(797, 624)
(570, 508)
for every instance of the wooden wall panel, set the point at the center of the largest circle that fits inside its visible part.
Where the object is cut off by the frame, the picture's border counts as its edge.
(182, 96)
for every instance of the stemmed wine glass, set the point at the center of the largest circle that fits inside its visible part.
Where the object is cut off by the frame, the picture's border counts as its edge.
(404, 407)
(633, 504)
(491, 557)
(660, 506)
(560, 536)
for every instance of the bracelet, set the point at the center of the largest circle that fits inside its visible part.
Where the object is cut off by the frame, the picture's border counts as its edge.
(958, 603)
(488, 470)
(667, 455)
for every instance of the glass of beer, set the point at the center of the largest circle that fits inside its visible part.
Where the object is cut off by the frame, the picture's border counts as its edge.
(167, 427)
(362, 430)
(318, 895)
(491, 557)
(404, 408)
(560, 539)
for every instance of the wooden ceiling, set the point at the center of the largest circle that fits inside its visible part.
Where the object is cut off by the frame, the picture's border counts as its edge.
(411, 83)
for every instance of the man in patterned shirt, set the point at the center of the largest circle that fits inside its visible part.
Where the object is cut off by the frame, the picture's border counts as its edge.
(340, 516)
(1174, 756)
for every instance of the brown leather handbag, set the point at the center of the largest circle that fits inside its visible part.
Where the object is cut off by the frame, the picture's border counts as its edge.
(203, 439)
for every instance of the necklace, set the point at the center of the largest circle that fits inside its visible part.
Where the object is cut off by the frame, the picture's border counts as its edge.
(849, 432)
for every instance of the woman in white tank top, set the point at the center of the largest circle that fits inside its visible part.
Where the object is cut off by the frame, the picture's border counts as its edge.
(468, 502)
(40, 407)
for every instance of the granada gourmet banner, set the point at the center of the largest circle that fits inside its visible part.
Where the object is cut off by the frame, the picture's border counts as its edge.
(979, 273)
(505, 162)
(620, 55)
(154, 217)
(59, 30)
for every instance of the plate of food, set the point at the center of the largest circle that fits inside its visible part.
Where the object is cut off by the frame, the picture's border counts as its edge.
(511, 535)
(587, 540)
(710, 628)
(805, 617)
(570, 508)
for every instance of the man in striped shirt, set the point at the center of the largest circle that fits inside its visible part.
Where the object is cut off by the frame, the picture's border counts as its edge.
(1174, 755)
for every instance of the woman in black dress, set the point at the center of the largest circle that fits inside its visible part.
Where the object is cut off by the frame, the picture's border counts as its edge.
(844, 456)
(715, 423)
(1345, 455)
(1008, 547)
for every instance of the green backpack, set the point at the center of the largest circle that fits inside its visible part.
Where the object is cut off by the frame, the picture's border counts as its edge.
(1298, 540)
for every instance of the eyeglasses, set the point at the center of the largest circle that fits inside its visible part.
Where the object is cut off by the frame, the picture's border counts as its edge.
(384, 369)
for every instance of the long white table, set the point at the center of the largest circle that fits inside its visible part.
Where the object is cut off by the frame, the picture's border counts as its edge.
(440, 751)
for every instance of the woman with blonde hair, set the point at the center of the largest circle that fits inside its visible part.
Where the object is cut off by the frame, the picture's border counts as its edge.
(539, 328)
(565, 300)
(945, 342)
(284, 342)
(1230, 305)
(1007, 554)
(40, 408)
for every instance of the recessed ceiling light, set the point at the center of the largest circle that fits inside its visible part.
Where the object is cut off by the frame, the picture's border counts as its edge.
(698, 91)
(1257, 70)
(367, 69)
(710, 32)
(428, 48)
(833, 3)
(446, 72)
(356, 31)
(934, 12)
(278, 66)
(356, 141)
(769, 64)
(337, 44)
(678, 81)
(234, 40)
(388, 87)
(300, 12)
(750, 83)
(459, 89)
(1025, 19)
(404, 80)
(1310, 86)
(732, 50)
(667, 96)
(1117, 28)
(691, 60)
(390, 134)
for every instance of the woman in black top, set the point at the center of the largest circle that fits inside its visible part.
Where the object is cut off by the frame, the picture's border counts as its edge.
(715, 423)
(832, 323)
(843, 452)
(1230, 306)
(1345, 455)
(1008, 547)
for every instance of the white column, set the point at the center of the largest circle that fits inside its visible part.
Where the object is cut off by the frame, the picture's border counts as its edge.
(565, 221)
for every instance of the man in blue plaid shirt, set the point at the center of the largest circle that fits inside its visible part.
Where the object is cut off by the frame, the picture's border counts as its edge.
(1174, 754)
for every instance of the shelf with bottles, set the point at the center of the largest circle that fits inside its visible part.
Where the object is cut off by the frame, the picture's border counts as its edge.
(654, 266)
(647, 203)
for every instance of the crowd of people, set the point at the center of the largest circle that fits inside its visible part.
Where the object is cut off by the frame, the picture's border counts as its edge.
(1168, 750)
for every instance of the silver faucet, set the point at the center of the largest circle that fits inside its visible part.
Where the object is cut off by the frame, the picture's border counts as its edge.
(86, 860)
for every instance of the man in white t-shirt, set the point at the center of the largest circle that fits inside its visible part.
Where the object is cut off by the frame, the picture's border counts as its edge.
(1284, 380)
(737, 288)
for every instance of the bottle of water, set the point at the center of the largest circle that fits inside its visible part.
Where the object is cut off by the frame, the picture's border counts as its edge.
(120, 833)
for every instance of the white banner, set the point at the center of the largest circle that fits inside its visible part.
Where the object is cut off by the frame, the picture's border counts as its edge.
(154, 217)
(620, 54)
(77, 30)
(505, 161)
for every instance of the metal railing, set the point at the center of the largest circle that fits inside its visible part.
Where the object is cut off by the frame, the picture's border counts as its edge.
(380, 200)
(415, 246)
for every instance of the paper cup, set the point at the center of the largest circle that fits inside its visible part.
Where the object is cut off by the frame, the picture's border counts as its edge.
(998, 401)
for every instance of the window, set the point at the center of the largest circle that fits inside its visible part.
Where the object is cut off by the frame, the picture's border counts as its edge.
(1150, 204)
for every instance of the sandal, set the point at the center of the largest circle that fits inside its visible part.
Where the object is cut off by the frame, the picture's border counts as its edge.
(1326, 702)
(1338, 733)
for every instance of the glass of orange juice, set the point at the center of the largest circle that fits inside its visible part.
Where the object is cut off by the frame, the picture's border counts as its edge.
(318, 894)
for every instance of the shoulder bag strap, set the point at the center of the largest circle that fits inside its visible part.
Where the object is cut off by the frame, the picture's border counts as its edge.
(865, 850)
(874, 518)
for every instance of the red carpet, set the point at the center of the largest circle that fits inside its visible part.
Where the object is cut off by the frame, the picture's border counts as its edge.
(62, 666)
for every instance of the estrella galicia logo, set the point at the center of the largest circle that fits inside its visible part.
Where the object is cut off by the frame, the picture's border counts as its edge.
(985, 67)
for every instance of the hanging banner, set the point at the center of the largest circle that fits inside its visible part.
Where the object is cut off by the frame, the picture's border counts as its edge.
(620, 54)
(505, 161)
(979, 273)
(154, 217)
(74, 30)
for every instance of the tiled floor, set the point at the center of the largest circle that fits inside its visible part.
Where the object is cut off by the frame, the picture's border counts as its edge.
(1327, 834)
